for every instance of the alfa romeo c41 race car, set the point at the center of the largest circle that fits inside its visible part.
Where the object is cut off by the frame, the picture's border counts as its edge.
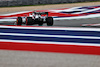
(35, 18)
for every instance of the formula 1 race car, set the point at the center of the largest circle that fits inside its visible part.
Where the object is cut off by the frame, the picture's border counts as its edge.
(36, 18)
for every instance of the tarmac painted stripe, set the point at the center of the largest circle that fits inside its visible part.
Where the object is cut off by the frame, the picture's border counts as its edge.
(87, 11)
(47, 42)
(41, 35)
(50, 39)
(51, 32)
(91, 24)
(78, 17)
(51, 28)
(39, 47)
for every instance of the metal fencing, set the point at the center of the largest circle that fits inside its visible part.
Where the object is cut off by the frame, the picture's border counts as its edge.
(5, 3)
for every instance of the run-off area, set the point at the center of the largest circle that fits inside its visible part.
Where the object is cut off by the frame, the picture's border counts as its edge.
(43, 59)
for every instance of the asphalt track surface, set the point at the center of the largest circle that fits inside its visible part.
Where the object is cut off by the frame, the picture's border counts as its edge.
(76, 23)
(68, 23)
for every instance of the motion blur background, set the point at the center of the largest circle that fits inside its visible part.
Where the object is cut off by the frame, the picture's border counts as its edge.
(5, 3)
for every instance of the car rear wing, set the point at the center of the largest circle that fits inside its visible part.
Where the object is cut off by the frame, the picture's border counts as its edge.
(41, 13)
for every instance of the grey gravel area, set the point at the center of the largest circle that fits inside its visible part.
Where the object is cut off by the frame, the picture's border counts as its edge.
(43, 59)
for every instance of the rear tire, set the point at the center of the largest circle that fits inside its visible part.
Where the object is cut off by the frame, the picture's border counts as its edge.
(19, 21)
(49, 21)
(29, 21)
(40, 23)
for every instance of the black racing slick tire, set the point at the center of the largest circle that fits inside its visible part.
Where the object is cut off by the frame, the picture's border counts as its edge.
(40, 23)
(29, 21)
(19, 21)
(49, 21)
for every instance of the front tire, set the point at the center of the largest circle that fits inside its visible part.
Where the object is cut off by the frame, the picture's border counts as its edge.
(49, 21)
(19, 21)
